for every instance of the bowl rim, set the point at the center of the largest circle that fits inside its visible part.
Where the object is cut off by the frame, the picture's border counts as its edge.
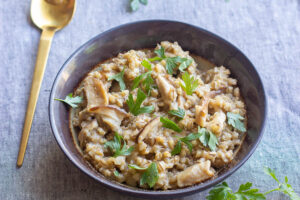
(152, 193)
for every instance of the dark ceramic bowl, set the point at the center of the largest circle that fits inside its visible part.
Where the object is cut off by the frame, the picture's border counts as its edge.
(145, 34)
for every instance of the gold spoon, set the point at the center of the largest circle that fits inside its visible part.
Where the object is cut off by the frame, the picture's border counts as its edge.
(50, 16)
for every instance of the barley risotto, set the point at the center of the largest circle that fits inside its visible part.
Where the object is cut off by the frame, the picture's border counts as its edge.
(159, 118)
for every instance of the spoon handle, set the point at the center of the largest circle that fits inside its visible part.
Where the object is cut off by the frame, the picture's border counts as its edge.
(41, 61)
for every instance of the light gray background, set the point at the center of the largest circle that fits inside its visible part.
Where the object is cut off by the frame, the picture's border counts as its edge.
(268, 32)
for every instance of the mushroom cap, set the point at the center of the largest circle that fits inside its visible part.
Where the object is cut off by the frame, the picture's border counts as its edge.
(95, 92)
(111, 115)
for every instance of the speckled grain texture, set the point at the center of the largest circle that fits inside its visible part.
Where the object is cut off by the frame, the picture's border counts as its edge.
(268, 32)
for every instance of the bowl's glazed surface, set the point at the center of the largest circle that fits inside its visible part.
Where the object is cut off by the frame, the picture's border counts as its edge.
(146, 34)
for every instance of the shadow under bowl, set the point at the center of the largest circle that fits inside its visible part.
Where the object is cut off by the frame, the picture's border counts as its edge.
(146, 34)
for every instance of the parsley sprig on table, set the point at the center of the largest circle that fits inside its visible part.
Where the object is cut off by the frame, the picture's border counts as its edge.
(246, 192)
(119, 78)
(71, 101)
(150, 176)
(135, 4)
(116, 147)
(284, 187)
(178, 113)
(135, 106)
(167, 123)
(171, 62)
(235, 121)
(190, 83)
(224, 192)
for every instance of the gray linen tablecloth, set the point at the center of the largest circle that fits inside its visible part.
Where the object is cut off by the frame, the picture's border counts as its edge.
(268, 32)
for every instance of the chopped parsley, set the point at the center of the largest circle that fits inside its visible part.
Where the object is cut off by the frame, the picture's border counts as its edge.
(71, 101)
(135, 107)
(167, 123)
(190, 84)
(150, 176)
(235, 121)
(119, 78)
(135, 4)
(171, 62)
(207, 138)
(116, 147)
(178, 113)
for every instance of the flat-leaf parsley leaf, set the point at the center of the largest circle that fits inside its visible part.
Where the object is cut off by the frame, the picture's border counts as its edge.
(115, 146)
(207, 138)
(167, 123)
(178, 113)
(71, 101)
(235, 121)
(135, 107)
(150, 176)
(186, 140)
(119, 78)
(284, 187)
(135, 4)
(190, 84)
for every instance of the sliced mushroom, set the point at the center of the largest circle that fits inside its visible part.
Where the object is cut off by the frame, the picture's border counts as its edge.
(202, 111)
(202, 108)
(217, 124)
(195, 174)
(95, 92)
(151, 127)
(166, 90)
(111, 115)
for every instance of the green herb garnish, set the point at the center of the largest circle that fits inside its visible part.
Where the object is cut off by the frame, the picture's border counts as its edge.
(235, 121)
(133, 166)
(186, 140)
(115, 146)
(207, 138)
(135, 107)
(167, 123)
(160, 53)
(138, 80)
(135, 4)
(284, 187)
(246, 192)
(147, 65)
(150, 176)
(119, 78)
(190, 84)
(184, 64)
(178, 113)
(116, 173)
(171, 62)
(71, 101)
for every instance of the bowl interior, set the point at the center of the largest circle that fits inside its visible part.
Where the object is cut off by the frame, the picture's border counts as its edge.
(147, 34)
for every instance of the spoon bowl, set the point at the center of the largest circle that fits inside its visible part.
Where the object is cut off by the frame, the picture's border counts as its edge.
(52, 14)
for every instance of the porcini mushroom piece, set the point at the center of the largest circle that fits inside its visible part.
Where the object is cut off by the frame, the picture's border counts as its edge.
(217, 124)
(202, 108)
(202, 111)
(166, 90)
(111, 115)
(95, 92)
(195, 174)
(151, 127)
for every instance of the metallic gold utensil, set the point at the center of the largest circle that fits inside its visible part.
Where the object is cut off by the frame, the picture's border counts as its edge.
(50, 16)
